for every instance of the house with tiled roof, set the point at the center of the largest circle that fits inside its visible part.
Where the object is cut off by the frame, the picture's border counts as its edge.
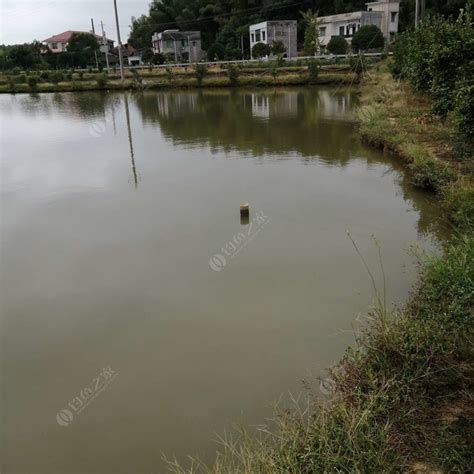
(58, 43)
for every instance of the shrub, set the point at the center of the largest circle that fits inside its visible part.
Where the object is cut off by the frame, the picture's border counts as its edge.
(33, 82)
(200, 71)
(261, 50)
(278, 48)
(20, 79)
(233, 75)
(56, 77)
(158, 59)
(313, 68)
(431, 174)
(368, 37)
(338, 45)
(216, 52)
(44, 76)
(102, 80)
(464, 120)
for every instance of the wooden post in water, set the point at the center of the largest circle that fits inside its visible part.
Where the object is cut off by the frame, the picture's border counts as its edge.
(244, 213)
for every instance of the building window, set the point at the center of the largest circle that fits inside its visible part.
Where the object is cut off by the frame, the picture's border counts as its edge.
(184, 43)
(341, 31)
(322, 31)
(253, 38)
(369, 9)
(393, 16)
(169, 44)
(263, 35)
(54, 45)
(194, 43)
(257, 36)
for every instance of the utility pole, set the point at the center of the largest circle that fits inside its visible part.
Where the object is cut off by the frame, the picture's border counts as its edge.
(95, 52)
(122, 72)
(417, 7)
(106, 45)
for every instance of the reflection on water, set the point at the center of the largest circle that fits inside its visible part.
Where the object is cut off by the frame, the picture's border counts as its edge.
(122, 247)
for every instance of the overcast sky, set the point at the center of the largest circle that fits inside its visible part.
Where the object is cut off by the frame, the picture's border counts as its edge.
(23, 21)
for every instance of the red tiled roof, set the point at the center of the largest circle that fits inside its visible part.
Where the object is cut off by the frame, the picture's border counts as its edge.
(65, 37)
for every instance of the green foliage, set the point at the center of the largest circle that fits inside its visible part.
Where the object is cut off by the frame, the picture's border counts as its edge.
(200, 71)
(311, 33)
(216, 52)
(464, 119)
(80, 42)
(56, 77)
(147, 56)
(158, 59)
(44, 76)
(20, 79)
(431, 174)
(438, 58)
(260, 50)
(233, 75)
(313, 68)
(338, 45)
(278, 48)
(102, 80)
(33, 82)
(368, 37)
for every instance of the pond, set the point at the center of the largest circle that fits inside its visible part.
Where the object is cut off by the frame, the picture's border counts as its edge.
(140, 315)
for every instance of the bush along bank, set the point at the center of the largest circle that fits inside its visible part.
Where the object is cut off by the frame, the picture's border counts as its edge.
(181, 77)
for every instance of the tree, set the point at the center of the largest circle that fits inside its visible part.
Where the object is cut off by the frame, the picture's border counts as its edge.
(82, 42)
(147, 56)
(261, 50)
(368, 37)
(311, 32)
(278, 48)
(216, 52)
(80, 52)
(338, 45)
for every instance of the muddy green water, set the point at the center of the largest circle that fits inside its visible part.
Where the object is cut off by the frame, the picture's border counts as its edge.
(139, 315)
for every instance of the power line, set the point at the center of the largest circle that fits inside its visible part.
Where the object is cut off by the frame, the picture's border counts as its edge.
(237, 14)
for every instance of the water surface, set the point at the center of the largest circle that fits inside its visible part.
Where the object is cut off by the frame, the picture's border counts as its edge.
(123, 253)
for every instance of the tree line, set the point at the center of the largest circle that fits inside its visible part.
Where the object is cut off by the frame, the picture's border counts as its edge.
(81, 52)
(437, 58)
(223, 23)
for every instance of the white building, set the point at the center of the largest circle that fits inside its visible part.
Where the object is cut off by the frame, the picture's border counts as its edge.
(58, 43)
(182, 46)
(270, 31)
(383, 14)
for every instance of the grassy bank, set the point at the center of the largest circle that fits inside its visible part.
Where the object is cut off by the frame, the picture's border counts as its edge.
(179, 78)
(402, 398)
